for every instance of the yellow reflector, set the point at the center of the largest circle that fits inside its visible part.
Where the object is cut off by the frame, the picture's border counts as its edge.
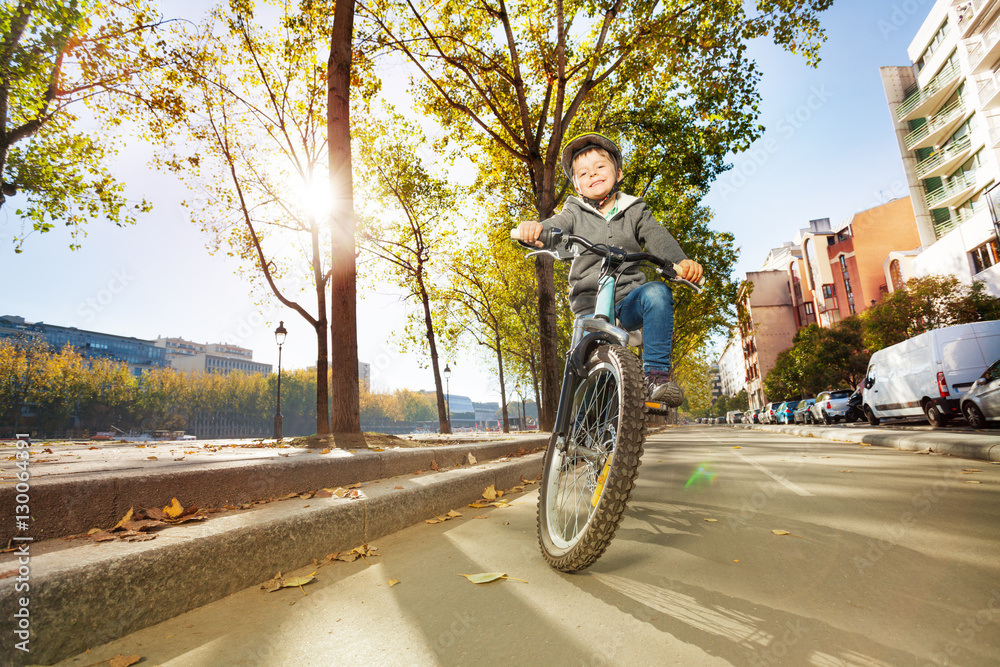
(601, 479)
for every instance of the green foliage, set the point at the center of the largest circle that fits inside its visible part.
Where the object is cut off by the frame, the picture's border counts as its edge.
(55, 57)
(924, 304)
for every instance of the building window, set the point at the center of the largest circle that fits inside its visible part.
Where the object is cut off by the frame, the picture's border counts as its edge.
(809, 308)
(985, 256)
(828, 291)
(933, 45)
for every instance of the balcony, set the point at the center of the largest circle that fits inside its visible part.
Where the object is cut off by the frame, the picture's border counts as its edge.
(921, 101)
(945, 160)
(989, 93)
(938, 126)
(969, 15)
(984, 53)
(827, 304)
(954, 192)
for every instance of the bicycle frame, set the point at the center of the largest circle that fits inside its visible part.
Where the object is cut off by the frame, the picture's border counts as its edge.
(587, 332)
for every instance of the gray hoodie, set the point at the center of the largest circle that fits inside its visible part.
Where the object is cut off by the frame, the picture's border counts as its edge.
(632, 228)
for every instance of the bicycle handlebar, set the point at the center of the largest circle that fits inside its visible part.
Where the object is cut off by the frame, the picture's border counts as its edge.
(668, 269)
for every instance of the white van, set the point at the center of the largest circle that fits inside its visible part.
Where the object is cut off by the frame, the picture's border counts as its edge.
(927, 374)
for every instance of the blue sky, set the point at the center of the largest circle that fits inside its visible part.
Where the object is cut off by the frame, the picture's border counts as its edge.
(829, 151)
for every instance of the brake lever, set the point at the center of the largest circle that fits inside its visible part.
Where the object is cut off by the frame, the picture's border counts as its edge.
(540, 251)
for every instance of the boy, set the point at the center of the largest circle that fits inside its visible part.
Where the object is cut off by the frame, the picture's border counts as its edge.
(602, 214)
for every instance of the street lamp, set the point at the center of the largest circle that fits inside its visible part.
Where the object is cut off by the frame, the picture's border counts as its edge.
(447, 376)
(279, 338)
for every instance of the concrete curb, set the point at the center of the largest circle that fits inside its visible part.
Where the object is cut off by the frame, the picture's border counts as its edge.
(73, 504)
(90, 594)
(962, 445)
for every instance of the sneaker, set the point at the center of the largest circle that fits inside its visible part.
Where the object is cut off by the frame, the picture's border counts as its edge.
(660, 388)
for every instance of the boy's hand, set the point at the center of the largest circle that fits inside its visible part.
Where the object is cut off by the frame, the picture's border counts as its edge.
(691, 270)
(528, 233)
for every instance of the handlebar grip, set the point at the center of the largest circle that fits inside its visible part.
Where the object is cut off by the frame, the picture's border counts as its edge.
(544, 237)
(678, 270)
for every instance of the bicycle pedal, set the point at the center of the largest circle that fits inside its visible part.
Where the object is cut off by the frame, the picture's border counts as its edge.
(657, 408)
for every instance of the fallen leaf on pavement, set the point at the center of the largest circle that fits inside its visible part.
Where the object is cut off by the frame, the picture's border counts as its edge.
(124, 660)
(846, 471)
(173, 510)
(737, 447)
(526, 481)
(325, 451)
(712, 520)
(393, 582)
(471, 458)
(480, 517)
(781, 532)
(152, 458)
(398, 487)
(306, 496)
(479, 504)
(967, 471)
(490, 493)
(355, 486)
(434, 465)
(127, 517)
(435, 520)
(453, 514)
(487, 577)
(324, 493)
(971, 481)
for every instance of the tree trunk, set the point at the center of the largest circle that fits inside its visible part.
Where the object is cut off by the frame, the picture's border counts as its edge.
(444, 411)
(343, 306)
(547, 322)
(503, 387)
(322, 348)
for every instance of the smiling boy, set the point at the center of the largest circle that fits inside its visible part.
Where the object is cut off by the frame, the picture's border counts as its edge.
(603, 214)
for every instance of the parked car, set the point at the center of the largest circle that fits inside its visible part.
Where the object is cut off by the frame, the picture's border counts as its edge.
(767, 412)
(982, 402)
(803, 413)
(750, 416)
(928, 373)
(787, 412)
(831, 405)
(755, 416)
(734, 417)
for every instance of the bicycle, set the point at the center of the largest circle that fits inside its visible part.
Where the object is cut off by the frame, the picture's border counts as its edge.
(592, 458)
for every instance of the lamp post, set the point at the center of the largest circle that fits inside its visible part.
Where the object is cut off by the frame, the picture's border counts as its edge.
(279, 338)
(447, 376)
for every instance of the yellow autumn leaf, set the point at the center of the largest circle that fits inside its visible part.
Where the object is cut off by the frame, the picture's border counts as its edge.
(971, 481)
(128, 515)
(490, 493)
(432, 520)
(479, 505)
(325, 451)
(781, 532)
(393, 582)
(737, 447)
(173, 510)
(453, 514)
(471, 459)
(712, 520)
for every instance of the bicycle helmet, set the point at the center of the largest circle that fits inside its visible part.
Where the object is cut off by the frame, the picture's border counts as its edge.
(582, 142)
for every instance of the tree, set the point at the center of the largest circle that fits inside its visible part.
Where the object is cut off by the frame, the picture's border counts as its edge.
(410, 228)
(256, 149)
(819, 359)
(56, 57)
(343, 283)
(512, 82)
(923, 304)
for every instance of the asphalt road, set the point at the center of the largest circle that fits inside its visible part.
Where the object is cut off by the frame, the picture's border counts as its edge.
(891, 559)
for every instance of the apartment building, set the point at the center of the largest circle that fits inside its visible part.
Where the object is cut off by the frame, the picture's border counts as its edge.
(140, 355)
(945, 107)
(732, 370)
(766, 325)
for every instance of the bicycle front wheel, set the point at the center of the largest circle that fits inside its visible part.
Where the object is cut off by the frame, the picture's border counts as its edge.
(586, 485)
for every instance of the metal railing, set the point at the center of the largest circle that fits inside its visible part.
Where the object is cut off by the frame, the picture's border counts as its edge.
(935, 122)
(943, 155)
(979, 50)
(940, 80)
(963, 182)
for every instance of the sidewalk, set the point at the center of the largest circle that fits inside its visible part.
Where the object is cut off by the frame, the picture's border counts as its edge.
(979, 446)
(82, 593)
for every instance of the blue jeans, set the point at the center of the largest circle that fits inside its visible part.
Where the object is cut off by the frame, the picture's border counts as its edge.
(651, 308)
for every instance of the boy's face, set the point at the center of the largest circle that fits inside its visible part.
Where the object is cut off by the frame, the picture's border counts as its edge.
(595, 174)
